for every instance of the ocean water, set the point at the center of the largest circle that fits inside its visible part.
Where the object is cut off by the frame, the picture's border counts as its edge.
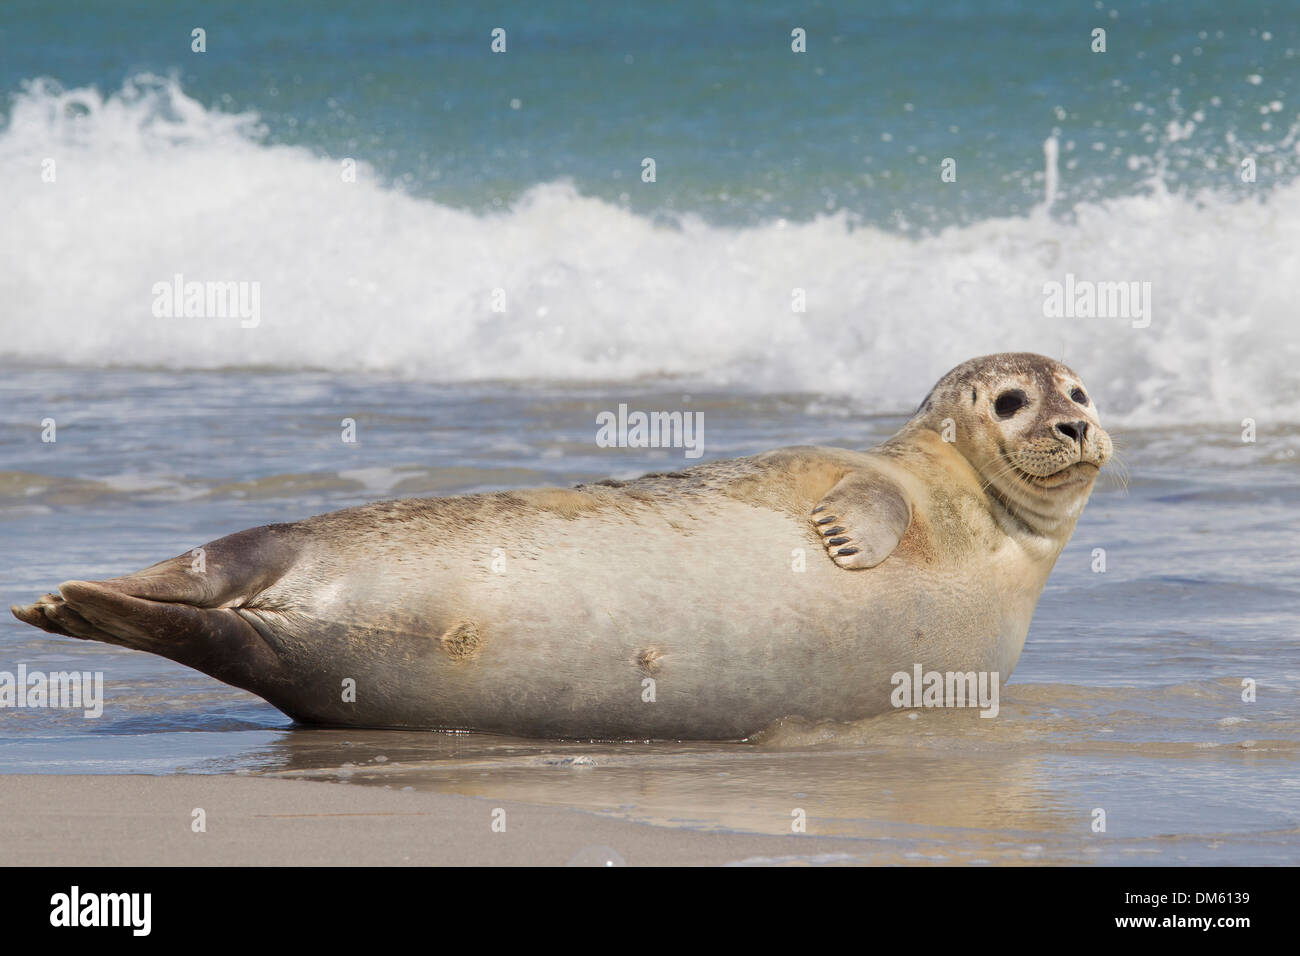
(515, 180)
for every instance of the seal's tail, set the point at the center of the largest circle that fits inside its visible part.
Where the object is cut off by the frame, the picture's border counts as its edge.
(187, 608)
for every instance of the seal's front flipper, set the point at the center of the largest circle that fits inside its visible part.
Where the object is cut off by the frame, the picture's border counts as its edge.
(862, 519)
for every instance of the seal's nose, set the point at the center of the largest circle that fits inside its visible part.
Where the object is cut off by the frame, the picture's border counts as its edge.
(1075, 431)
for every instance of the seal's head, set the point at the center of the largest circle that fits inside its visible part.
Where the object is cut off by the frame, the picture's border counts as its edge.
(1028, 426)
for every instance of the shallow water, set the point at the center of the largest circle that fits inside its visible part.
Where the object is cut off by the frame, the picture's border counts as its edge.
(1128, 696)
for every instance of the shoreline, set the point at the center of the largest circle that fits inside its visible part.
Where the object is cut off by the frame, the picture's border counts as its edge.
(141, 820)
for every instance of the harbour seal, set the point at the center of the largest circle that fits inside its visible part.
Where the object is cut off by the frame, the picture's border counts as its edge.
(705, 603)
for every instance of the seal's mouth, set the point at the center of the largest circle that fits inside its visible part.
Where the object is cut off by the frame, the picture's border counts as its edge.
(1077, 473)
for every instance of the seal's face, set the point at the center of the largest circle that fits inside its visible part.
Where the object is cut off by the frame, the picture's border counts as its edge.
(1030, 429)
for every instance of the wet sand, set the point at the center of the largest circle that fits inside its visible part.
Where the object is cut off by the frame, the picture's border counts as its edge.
(147, 821)
(138, 820)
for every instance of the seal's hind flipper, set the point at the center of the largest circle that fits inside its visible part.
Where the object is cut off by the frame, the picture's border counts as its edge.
(220, 641)
(51, 613)
(146, 625)
(185, 608)
(862, 519)
(228, 572)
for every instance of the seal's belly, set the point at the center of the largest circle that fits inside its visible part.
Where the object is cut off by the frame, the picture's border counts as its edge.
(712, 622)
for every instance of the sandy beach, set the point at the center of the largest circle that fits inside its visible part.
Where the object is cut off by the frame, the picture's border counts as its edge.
(147, 821)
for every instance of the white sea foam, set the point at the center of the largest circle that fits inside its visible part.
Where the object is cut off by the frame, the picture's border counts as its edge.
(362, 276)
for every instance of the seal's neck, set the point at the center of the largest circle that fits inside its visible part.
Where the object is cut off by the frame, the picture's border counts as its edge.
(1049, 532)
(1043, 526)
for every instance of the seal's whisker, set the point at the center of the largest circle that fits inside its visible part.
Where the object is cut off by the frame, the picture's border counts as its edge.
(1117, 472)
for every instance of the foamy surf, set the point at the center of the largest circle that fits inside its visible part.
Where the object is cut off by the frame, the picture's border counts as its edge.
(362, 276)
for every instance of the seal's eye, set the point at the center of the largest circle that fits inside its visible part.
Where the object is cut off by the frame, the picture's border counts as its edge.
(1008, 403)
(1079, 397)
